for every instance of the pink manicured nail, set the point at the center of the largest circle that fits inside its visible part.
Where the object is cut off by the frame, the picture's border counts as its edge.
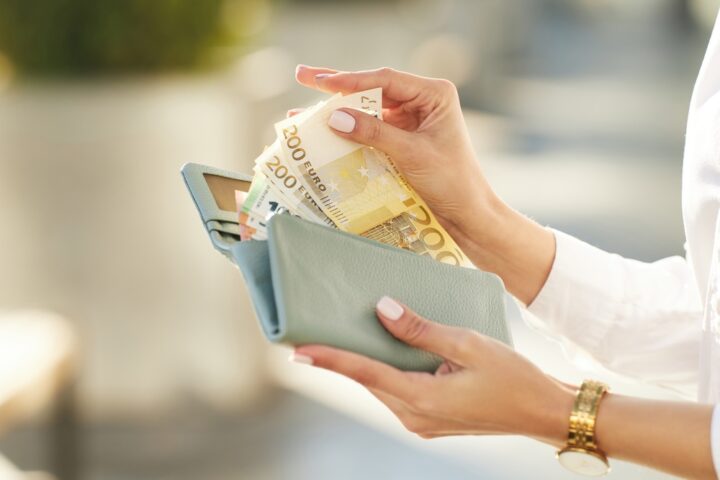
(300, 358)
(389, 308)
(342, 121)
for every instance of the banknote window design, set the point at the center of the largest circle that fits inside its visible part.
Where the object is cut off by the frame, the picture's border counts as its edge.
(398, 232)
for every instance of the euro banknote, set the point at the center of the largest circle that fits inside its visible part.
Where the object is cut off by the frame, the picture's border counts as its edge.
(312, 172)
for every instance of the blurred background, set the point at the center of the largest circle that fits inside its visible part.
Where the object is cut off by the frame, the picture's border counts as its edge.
(128, 347)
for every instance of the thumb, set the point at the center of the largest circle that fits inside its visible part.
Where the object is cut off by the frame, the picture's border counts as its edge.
(364, 128)
(458, 345)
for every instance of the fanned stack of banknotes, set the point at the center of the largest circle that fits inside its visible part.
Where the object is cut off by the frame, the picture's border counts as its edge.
(317, 175)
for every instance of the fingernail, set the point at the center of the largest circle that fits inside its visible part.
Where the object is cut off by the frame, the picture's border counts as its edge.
(299, 67)
(389, 308)
(300, 358)
(342, 121)
(322, 76)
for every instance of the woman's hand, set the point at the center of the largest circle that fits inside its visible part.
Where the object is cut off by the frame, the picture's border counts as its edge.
(424, 132)
(483, 387)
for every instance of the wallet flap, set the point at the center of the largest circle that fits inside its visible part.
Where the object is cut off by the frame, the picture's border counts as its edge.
(327, 282)
(251, 256)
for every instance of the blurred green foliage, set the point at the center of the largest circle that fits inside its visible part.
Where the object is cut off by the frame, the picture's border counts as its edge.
(79, 37)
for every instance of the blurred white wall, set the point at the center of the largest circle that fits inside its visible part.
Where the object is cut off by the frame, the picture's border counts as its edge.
(96, 224)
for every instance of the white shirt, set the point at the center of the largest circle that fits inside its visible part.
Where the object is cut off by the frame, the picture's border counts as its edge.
(656, 322)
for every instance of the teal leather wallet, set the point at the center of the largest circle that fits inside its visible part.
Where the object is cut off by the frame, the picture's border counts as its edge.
(313, 284)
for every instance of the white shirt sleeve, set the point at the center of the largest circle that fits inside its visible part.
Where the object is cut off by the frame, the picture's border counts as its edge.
(715, 439)
(642, 320)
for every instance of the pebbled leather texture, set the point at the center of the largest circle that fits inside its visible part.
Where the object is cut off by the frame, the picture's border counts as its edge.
(326, 283)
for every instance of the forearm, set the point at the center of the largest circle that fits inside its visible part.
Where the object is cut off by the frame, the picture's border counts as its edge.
(670, 436)
(507, 243)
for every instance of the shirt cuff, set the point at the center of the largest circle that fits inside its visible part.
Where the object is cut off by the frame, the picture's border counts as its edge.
(715, 439)
(578, 299)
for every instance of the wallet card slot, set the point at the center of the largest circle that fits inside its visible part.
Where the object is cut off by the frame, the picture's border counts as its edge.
(252, 258)
(226, 227)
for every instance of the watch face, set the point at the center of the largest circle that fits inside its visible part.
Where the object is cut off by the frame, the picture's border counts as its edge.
(583, 462)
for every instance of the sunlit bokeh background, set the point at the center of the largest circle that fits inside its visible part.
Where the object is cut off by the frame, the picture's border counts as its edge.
(128, 347)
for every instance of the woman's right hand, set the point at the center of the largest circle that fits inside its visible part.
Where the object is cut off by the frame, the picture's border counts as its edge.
(423, 132)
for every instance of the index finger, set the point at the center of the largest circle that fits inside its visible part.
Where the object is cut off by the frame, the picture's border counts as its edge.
(370, 373)
(305, 75)
(398, 87)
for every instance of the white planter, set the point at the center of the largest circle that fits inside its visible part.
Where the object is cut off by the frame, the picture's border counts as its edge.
(95, 223)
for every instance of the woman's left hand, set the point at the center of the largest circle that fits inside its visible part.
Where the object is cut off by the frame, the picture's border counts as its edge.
(482, 387)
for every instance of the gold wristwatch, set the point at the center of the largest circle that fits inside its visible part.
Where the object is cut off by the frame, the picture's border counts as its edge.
(581, 454)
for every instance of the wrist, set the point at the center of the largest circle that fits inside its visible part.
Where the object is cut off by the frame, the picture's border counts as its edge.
(500, 240)
(495, 219)
(548, 418)
(479, 225)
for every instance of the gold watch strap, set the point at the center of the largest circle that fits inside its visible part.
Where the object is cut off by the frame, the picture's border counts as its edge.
(581, 432)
